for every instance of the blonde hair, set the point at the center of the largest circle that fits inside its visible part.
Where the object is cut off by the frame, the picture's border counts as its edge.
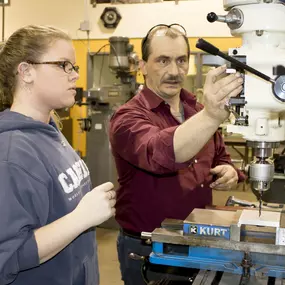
(29, 43)
(56, 118)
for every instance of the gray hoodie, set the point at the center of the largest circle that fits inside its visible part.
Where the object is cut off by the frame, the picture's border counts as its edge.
(41, 179)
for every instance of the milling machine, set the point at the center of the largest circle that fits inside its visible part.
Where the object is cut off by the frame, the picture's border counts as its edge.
(118, 84)
(244, 246)
(259, 109)
(111, 81)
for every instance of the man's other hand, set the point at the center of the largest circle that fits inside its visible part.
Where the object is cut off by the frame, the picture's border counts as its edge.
(227, 177)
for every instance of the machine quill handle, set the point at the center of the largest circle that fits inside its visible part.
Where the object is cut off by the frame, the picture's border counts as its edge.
(207, 47)
(211, 49)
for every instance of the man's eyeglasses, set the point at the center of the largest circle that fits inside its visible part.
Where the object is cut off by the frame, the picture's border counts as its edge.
(67, 66)
(174, 27)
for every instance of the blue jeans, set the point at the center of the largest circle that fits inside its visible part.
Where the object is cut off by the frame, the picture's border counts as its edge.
(131, 269)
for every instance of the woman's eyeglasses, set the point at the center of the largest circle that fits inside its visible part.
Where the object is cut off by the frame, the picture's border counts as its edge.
(67, 66)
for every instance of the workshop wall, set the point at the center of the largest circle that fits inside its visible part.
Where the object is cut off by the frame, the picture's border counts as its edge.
(136, 18)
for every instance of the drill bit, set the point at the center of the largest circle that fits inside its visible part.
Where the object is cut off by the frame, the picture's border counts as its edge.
(260, 202)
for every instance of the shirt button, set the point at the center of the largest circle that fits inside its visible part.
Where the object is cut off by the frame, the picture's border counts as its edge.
(195, 160)
(202, 185)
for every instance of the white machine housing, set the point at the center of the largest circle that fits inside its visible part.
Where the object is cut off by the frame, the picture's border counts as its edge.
(263, 45)
(260, 108)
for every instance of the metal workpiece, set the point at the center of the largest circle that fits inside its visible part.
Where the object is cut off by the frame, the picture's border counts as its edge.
(198, 222)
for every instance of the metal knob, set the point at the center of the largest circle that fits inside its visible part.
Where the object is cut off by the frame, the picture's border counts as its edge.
(212, 17)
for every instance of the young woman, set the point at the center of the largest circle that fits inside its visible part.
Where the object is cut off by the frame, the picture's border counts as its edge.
(47, 207)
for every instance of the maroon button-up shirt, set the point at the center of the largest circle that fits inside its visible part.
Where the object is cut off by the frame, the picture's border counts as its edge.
(153, 186)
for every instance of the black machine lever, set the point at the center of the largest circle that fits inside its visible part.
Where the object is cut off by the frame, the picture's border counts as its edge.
(209, 48)
(279, 70)
(278, 84)
(212, 17)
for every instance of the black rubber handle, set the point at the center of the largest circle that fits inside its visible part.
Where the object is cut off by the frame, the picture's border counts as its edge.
(207, 47)
(212, 17)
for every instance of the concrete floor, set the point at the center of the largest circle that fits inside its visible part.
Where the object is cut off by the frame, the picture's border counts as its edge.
(107, 238)
(108, 260)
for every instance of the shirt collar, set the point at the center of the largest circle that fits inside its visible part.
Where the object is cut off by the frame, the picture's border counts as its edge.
(152, 101)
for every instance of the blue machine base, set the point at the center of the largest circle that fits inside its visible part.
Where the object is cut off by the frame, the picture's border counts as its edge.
(217, 259)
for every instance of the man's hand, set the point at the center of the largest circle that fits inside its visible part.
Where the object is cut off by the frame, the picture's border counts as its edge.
(218, 91)
(227, 177)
